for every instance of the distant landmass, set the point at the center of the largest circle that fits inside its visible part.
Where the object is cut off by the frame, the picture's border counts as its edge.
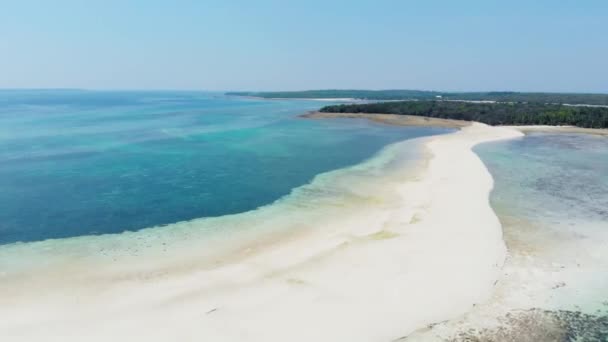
(513, 113)
(498, 96)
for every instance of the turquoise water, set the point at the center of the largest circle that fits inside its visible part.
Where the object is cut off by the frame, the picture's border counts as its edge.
(87, 162)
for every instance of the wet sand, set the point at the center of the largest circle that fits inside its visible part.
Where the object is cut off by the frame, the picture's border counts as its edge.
(392, 119)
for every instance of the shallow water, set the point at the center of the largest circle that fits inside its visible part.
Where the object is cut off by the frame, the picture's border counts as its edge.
(559, 180)
(361, 195)
(551, 195)
(86, 162)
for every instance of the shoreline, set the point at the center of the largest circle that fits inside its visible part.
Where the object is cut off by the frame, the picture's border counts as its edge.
(386, 259)
(414, 120)
(560, 129)
(391, 119)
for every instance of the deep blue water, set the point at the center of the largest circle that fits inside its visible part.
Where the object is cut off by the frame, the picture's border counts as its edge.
(88, 162)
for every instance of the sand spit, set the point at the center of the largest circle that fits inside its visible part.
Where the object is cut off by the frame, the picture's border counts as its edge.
(396, 258)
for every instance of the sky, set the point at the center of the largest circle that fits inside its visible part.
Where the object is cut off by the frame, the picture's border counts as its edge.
(473, 45)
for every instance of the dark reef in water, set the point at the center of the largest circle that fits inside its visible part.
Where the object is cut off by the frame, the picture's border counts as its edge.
(537, 325)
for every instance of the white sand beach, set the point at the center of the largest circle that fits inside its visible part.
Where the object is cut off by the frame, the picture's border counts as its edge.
(420, 249)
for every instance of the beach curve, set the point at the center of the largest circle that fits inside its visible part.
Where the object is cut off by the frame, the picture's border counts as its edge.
(420, 250)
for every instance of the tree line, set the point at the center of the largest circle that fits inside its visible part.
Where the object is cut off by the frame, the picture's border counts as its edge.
(489, 113)
(404, 94)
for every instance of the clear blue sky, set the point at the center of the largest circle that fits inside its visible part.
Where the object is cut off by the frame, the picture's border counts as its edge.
(274, 45)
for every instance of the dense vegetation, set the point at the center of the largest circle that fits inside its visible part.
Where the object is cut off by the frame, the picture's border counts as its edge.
(503, 96)
(490, 113)
(354, 94)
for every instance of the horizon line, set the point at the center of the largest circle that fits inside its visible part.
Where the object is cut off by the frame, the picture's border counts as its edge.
(291, 91)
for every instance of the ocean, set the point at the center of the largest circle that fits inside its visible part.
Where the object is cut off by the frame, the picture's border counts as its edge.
(80, 163)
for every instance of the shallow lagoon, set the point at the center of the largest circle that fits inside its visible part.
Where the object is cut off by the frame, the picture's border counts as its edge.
(555, 179)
